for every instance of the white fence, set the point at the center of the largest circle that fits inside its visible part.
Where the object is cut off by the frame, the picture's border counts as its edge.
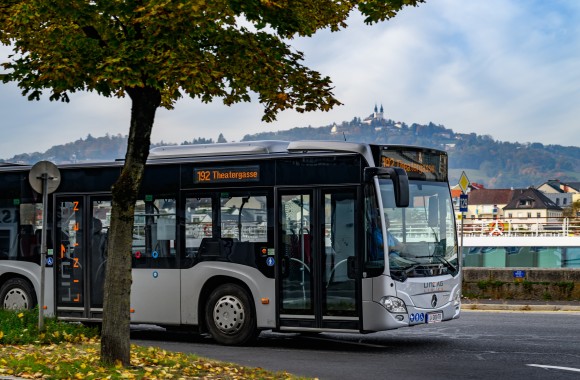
(519, 227)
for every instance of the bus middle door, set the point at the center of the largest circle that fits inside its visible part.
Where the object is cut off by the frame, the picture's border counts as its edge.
(316, 241)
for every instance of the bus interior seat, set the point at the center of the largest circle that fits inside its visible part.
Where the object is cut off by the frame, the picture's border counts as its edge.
(215, 249)
(29, 244)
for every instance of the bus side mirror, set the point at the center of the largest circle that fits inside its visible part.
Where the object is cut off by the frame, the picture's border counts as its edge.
(400, 182)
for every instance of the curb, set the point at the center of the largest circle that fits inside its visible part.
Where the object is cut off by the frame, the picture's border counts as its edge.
(523, 307)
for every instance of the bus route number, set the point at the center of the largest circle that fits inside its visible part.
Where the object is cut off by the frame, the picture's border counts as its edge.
(203, 176)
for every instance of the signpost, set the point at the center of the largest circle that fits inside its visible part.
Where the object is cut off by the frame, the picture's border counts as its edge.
(44, 178)
(463, 203)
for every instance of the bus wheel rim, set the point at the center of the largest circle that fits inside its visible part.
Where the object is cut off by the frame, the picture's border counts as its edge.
(229, 315)
(16, 299)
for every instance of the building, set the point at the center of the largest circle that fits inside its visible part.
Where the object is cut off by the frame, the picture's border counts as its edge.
(563, 194)
(489, 203)
(532, 204)
(376, 115)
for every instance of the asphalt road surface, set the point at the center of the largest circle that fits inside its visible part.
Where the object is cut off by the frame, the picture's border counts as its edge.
(480, 345)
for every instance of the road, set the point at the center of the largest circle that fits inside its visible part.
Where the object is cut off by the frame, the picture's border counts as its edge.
(480, 345)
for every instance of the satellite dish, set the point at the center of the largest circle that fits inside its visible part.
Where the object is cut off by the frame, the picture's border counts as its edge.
(44, 170)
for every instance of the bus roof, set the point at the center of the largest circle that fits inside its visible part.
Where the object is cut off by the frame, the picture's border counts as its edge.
(260, 147)
(221, 149)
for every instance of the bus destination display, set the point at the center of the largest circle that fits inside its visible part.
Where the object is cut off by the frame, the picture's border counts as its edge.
(227, 174)
(418, 163)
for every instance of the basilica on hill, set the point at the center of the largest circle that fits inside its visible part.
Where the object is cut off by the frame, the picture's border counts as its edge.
(376, 115)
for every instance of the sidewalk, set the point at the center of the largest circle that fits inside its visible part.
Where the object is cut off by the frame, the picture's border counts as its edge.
(519, 305)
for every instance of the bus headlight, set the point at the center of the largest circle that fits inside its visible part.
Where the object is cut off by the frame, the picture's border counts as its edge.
(393, 304)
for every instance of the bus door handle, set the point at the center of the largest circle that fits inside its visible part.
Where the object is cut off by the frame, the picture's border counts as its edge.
(351, 267)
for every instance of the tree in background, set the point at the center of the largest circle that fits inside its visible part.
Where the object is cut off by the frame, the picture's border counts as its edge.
(572, 211)
(156, 51)
(221, 139)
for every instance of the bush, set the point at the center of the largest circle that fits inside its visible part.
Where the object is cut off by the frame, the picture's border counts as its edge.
(21, 327)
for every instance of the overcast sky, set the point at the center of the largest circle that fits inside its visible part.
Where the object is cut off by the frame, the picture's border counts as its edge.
(505, 68)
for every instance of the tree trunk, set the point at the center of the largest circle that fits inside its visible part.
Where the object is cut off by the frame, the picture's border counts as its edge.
(115, 339)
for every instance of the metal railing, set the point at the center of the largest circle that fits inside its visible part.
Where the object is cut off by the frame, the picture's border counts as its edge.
(520, 227)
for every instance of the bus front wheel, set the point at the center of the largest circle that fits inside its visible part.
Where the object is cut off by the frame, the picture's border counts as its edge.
(230, 317)
(17, 294)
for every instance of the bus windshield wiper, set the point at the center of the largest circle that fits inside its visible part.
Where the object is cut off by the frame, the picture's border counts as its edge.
(445, 262)
(411, 264)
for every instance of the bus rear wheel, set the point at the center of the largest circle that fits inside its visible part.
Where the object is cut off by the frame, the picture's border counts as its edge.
(230, 316)
(17, 294)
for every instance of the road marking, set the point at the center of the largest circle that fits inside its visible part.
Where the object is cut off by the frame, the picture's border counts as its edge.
(555, 367)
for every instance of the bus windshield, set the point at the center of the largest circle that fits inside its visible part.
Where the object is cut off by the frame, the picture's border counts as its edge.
(420, 238)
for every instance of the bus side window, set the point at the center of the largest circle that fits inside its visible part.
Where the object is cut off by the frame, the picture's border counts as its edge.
(244, 218)
(198, 224)
(30, 231)
(154, 234)
(28, 243)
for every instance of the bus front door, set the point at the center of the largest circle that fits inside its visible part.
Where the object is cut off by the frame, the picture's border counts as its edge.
(80, 255)
(317, 236)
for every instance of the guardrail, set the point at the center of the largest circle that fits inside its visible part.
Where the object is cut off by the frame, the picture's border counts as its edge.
(520, 227)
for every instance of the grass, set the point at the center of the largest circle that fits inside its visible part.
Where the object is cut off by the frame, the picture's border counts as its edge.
(71, 351)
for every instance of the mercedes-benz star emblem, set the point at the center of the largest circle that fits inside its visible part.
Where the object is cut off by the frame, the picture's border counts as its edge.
(434, 300)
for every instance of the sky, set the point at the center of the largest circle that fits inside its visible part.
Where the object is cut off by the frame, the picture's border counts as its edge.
(505, 68)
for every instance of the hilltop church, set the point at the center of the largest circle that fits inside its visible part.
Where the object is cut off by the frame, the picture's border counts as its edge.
(376, 115)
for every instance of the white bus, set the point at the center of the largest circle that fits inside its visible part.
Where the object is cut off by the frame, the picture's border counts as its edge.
(236, 238)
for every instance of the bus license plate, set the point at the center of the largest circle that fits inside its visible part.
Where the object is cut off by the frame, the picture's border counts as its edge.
(434, 317)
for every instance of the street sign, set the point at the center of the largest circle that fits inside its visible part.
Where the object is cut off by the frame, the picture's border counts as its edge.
(464, 182)
(463, 203)
(44, 171)
(44, 178)
(519, 274)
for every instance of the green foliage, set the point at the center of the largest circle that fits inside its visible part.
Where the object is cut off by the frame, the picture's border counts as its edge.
(202, 49)
(483, 285)
(572, 210)
(21, 327)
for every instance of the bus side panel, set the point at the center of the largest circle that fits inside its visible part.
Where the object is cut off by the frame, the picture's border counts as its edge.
(155, 296)
(27, 270)
(194, 279)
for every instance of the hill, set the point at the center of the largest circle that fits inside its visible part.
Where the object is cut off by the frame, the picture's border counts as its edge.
(495, 164)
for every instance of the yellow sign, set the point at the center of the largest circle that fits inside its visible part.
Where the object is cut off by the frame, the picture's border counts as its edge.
(464, 182)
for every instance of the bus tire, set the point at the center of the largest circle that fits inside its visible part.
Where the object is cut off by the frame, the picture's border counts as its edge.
(230, 316)
(17, 294)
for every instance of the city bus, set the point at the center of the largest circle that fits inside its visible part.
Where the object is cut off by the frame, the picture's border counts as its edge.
(235, 238)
